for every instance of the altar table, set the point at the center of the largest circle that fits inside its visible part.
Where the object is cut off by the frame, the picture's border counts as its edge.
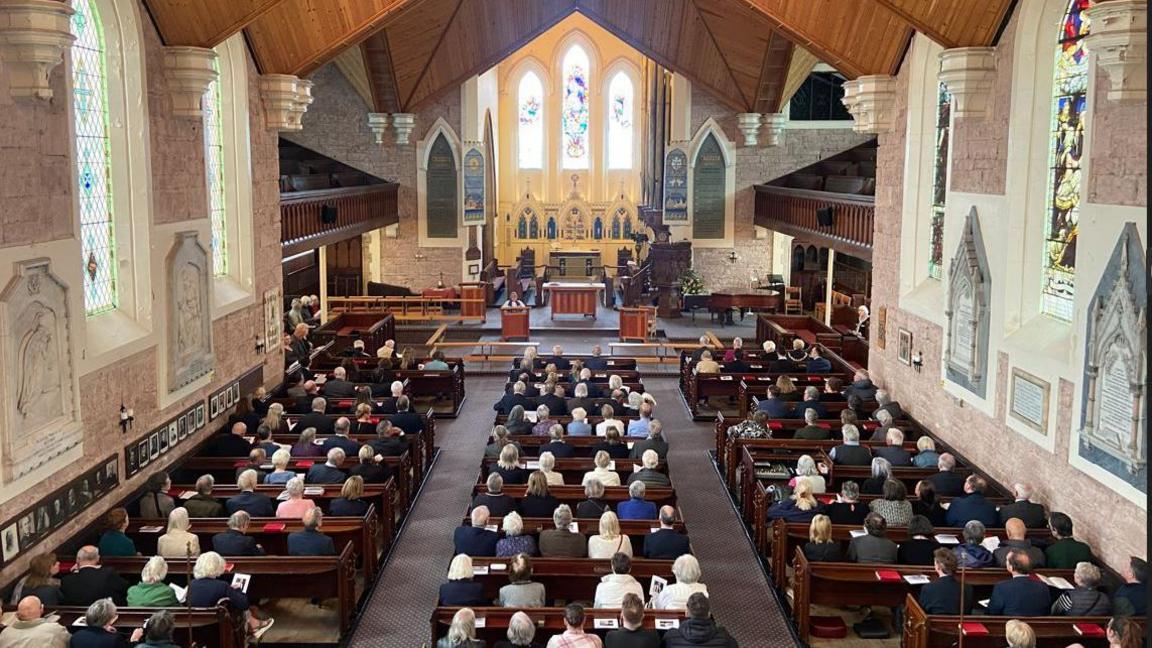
(573, 298)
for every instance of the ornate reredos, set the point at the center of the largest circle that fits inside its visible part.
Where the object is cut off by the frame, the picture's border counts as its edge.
(189, 312)
(41, 414)
(968, 281)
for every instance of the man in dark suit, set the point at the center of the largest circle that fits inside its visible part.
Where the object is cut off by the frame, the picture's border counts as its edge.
(580, 399)
(303, 403)
(340, 438)
(249, 500)
(339, 386)
(1017, 541)
(596, 362)
(494, 499)
(90, 582)
(861, 386)
(811, 431)
(554, 401)
(388, 442)
(558, 359)
(973, 506)
(1020, 596)
(654, 442)
(310, 542)
(886, 404)
(1024, 509)
(317, 418)
(556, 446)
(667, 543)
(816, 362)
(894, 452)
(942, 596)
(328, 472)
(947, 482)
(405, 418)
(560, 541)
(235, 541)
(851, 453)
(737, 364)
(516, 397)
(811, 401)
(773, 406)
(475, 540)
(388, 405)
(233, 443)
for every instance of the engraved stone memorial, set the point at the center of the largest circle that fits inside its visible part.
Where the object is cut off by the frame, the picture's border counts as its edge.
(189, 312)
(969, 288)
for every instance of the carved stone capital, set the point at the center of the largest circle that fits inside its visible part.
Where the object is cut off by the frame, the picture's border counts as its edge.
(303, 100)
(190, 71)
(749, 124)
(774, 123)
(870, 100)
(404, 123)
(378, 124)
(278, 92)
(1119, 43)
(968, 73)
(33, 37)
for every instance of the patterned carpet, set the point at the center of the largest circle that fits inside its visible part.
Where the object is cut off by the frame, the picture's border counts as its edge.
(398, 612)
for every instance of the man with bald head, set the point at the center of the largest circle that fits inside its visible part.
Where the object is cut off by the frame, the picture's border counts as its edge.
(90, 582)
(666, 543)
(1030, 513)
(1017, 541)
(32, 630)
(233, 443)
(340, 439)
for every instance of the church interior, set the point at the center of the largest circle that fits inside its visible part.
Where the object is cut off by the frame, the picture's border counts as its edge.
(573, 323)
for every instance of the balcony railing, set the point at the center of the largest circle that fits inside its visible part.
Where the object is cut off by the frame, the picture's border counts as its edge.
(357, 210)
(793, 211)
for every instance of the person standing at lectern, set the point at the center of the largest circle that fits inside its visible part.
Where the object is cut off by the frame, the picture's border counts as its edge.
(514, 301)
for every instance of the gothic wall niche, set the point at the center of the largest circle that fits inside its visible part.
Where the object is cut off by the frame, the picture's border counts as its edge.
(40, 423)
(1114, 406)
(969, 288)
(189, 312)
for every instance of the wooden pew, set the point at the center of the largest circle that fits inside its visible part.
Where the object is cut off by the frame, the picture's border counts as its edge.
(533, 391)
(369, 535)
(923, 630)
(612, 362)
(218, 627)
(567, 578)
(636, 530)
(530, 444)
(549, 621)
(572, 469)
(847, 584)
(326, 577)
(599, 377)
(423, 450)
(573, 495)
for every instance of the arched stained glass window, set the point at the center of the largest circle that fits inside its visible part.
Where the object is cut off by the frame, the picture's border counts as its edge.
(627, 225)
(1066, 145)
(93, 158)
(214, 161)
(534, 227)
(620, 112)
(551, 229)
(522, 226)
(574, 117)
(598, 228)
(530, 137)
(940, 180)
(616, 226)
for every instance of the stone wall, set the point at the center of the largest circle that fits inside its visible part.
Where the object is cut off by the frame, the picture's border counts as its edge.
(336, 125)
(36, 171)
(1118, 165)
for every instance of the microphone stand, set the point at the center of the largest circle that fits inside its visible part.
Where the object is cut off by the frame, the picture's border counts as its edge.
(188, 581)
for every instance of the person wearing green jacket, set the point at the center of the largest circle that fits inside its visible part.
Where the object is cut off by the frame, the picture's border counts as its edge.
(114, 542)
(152, 591)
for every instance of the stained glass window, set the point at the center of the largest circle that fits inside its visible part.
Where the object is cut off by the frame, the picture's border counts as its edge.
(533, 227)
(616, 226)
(522, 227)
(940, 180)
(93, 158)
(1066, 145)
(574, 117)
(530, 138)
(214, 160)
(620, 122)
(627, 225)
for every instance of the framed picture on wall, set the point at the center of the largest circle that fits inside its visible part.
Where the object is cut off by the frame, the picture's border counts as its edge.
(11, 543)
(199, 416)
(904, 346)
(882, 327)
(142, 452)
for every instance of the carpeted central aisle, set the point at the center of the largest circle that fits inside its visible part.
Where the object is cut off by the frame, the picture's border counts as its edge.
(401, 605)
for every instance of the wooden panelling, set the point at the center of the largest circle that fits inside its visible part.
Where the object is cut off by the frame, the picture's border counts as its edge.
(774, 74)
(953, 23)
(204, 23)
(350, 62)
(381, 78)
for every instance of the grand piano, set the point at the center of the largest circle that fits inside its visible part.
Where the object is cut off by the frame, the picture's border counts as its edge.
(724, 302)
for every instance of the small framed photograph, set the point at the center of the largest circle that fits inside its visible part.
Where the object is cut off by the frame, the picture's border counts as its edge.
(235, 393)
(131, 461)
(228, 399)
(199, 416)
(43, 522)
(473, 268)
(27, 526)
(85, 493)
(904, 346)
(57, 513)
(142, 451)
(110, 470)
(182, 430)
(153, 445)
(11, 542)
(214, 410)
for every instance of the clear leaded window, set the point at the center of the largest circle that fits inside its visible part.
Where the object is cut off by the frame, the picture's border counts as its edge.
(620, 122)
(574, 110)
(940, 180)
(530, 138)
(214, 160)
(93, 158)
(1066, 146)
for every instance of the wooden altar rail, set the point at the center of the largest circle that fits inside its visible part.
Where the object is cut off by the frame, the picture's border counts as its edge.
(358, 210)
(793, 212)
(413, 309)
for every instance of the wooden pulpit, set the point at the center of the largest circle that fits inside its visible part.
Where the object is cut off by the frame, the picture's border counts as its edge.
(636, 323)
(473, 301)
(514, 323)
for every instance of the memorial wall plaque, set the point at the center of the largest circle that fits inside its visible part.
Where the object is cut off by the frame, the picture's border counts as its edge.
(473, 187)
(1030, 400)
(969, 287)
(1115, 406)
(441, 190)
(676, 186)
(709, 185)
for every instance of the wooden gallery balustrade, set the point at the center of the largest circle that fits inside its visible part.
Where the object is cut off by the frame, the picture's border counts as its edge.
(356, 210)
(793, 212)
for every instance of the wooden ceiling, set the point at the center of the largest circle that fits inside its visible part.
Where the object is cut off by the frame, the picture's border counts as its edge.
(740, 50)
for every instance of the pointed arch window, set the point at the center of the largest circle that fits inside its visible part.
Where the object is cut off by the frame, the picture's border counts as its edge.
(620, 116)
(939, 180)
(574, 117)
(1066, 145)
(214, 161)
(93, 158)
(530, 136)
(534, 227)
(627, 225)
(522, 226)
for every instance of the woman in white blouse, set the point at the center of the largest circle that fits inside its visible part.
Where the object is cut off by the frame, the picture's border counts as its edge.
(601, 472)
(610, 541)
(548, 467)
(175, 543)
(686, 569)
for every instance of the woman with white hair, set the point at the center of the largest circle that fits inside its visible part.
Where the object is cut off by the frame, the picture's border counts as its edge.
(295, 506)
(97, 629)
(926, 455)
(602, 472)
(515, 541)
(649, 472)
(686, 569)
(280, 473)
(881, 472)
(579, 425)
(178, 542)
(508, 466)
(862, 318)
(152, 591)
(548, 467)
(635, 399)
(206, 589)
(521, 632)
(616, 382)
(543, 422)
(806, 467)
(610, 540)
(461, 589)
(462, 632)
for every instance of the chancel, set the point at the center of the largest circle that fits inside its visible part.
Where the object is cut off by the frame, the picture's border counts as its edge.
(467, 323)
